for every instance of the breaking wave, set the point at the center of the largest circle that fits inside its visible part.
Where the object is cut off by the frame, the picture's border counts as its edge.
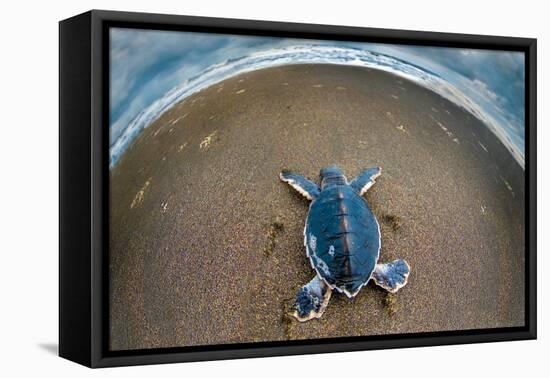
(307, 54)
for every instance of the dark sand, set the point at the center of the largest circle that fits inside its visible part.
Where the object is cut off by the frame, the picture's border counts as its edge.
(206, 243)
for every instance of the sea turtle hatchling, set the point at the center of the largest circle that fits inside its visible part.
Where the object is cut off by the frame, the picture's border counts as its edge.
(342, 239)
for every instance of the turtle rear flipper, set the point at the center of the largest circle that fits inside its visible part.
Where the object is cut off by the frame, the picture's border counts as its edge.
(391, 276)
(312, 300)
(365, 180)
(308, 189)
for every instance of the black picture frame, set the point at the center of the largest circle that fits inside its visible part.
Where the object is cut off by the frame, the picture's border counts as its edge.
(84, 180)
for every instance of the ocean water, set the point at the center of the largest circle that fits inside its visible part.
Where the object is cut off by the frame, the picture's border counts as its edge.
(315, 54)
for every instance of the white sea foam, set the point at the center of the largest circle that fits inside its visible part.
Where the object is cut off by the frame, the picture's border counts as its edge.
(304, 54)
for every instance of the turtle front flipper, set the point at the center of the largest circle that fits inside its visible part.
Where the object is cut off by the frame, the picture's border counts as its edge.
(365, 180)
(308, 189)
(391, 276)
(312, 300)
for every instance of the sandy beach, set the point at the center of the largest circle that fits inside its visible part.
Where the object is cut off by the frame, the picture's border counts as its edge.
(206, 243)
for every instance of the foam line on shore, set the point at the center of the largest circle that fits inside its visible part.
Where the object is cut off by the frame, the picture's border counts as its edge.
(310, 54)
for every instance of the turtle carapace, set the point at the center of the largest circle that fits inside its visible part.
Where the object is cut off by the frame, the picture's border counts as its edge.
(342, 240)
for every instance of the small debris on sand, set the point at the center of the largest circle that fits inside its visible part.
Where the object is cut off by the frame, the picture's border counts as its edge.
(401, 128)
(508, 186)
(483, 146)
(240, 91)
(138, 199)
(206, 142)
(178, 119)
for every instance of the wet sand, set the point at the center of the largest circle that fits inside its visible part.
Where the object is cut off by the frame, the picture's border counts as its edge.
(206, 242)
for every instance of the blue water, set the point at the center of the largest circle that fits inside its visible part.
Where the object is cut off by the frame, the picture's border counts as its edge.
(316, 54)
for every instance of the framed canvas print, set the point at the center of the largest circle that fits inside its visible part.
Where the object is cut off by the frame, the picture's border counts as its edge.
(234, 188)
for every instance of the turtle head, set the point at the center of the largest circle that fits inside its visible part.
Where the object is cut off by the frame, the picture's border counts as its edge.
(332, 176)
